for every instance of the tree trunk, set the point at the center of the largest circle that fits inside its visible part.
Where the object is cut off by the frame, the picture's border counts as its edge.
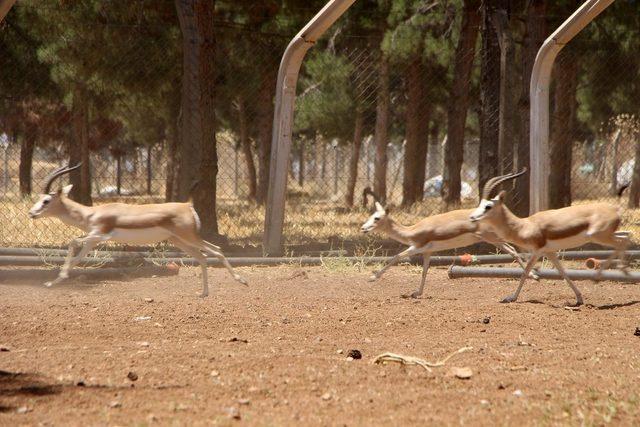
(561, 149)
(417, 127)
(634, 191)
(488, 165)
(26, 159)
(535, 33)
(301, 163)
(245, 144)
(119, 174)
(79, 151)
(355, 157)
(204, 194)
(189, 121)
(434, 153)
(172, 161)
(459, 103)
(264, 122)
(509, 126)
(149, 171)
(381, 130)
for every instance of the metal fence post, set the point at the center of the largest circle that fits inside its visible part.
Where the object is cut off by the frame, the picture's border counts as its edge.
(283, 120)
(539, 94)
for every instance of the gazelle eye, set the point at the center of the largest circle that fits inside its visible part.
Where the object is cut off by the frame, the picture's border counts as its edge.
(376, 219)
(486, 208)
(44, 202)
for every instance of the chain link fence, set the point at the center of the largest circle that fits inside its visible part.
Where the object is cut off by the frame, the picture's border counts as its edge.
(120, 90)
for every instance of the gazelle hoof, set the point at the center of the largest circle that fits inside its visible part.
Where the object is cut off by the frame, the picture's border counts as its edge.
(508, 299)
(204, 294)
(416, 294)
(534, 275)
(48, 284)
(373, 278)
(242, 280)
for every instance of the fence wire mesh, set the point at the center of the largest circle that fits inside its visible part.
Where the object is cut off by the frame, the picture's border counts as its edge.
(122, 87)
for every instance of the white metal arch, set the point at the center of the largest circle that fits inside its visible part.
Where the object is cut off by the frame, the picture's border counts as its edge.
(539, 96)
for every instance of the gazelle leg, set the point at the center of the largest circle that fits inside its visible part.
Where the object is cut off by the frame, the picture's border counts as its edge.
(88, 243)
(411, 250)
(619, 241)
(202, 260)
(512, 251)
(523, 278)
(215, 251)
(426, 257)
(558, 265)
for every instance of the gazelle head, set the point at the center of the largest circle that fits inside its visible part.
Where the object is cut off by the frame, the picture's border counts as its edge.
(378, 219)
(490, 207)
(50, 202)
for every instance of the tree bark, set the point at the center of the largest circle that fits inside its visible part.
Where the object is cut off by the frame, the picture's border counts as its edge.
(459, 103)
(535, 33)
(204, 194)
(488, 165)
(381, 131)
(416, 134)
(149, 170)
(509, 126)
(245, 144)
(79, 151)
(189, 120)
(172, 161)
(264, 122)
(301, 163)
(26, 159)
(355, 157)
(561, 149)
(634, 191)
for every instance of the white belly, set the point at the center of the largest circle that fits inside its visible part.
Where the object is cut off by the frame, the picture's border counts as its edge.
(139, 236)
(567, 243)
(457, 242)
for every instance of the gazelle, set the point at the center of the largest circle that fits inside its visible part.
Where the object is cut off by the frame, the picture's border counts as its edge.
(546, 232)
(131, 224)
(432, 234)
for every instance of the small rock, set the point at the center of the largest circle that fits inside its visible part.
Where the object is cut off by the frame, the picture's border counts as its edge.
(326, 396)
(367, 340)
(151, 418)
(349, 359)
(141, 318)
(461, 373)
(236, 339)
(80, 383)
(486, 320)
(340, 351)
(233, 413)
(143, 344)
(132, 376)
(518, 393)
(244, 401)
(636, 333)
(214, 373)
(5, 348)
(355, 354)
(484, 402)
(115, 404)
(148, 299)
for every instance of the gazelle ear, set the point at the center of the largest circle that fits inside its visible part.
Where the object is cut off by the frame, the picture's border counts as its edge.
(379, 207)
(502, 195)
(67, 189)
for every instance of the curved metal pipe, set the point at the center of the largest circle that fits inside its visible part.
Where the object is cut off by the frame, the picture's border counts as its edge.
(283, 119)
(539, 95)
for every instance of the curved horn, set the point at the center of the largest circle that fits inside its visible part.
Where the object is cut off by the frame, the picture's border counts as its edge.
(368, 192)
(497, 180)
(56, 173)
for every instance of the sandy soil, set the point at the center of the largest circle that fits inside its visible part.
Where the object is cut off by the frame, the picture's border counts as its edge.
(275, 353)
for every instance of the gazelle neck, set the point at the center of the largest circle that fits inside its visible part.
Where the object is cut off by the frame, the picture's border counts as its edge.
(507, 224)
(74, 213)
(398, 232)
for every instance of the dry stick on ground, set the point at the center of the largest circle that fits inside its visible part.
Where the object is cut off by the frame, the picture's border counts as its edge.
(410, 360)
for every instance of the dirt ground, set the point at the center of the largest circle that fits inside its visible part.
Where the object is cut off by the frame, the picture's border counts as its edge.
(275, 353)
